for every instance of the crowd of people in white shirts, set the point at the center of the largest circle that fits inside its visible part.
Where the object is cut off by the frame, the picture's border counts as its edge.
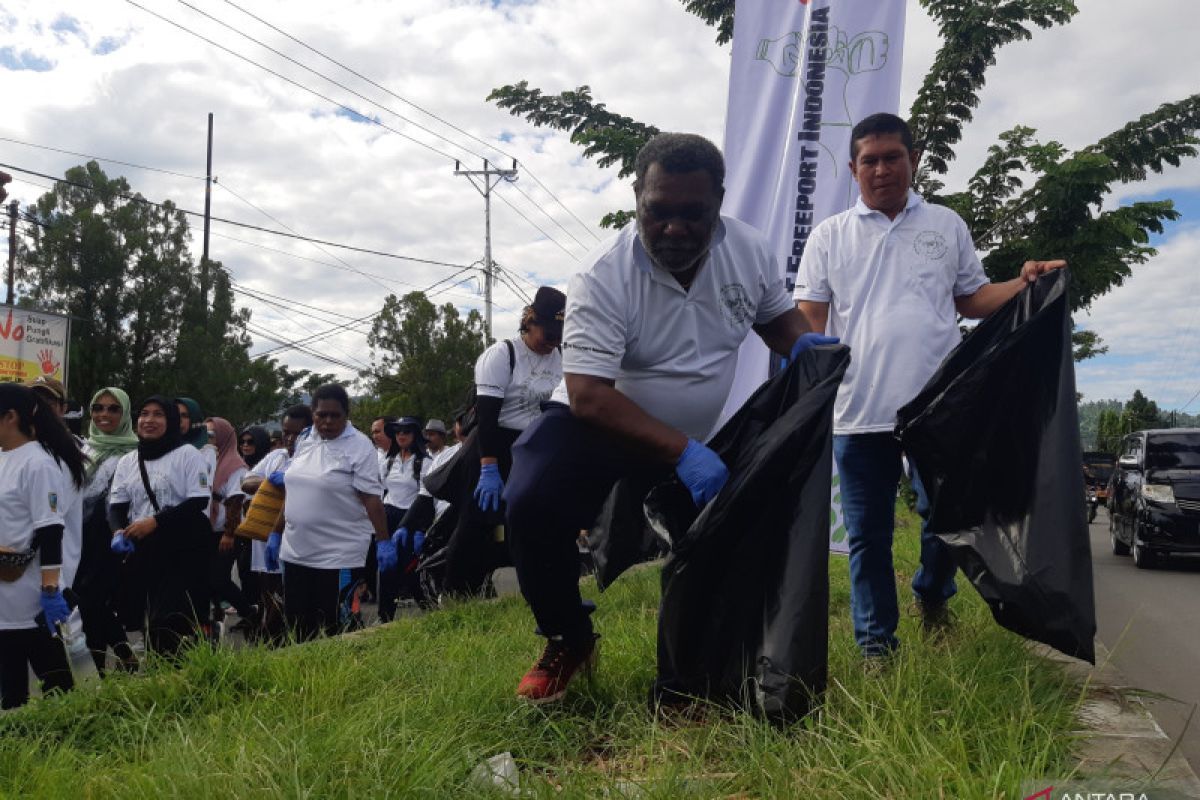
(142, 524)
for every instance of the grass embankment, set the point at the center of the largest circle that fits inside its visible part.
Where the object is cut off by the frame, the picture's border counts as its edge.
(409, 709)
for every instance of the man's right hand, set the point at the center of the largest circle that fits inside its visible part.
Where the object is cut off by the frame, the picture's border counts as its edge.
(702, 472)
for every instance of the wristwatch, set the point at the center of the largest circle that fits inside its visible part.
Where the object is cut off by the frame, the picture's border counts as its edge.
(50, 589)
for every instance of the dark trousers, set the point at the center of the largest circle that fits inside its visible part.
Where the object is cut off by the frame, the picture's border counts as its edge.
(310, 600)
(272, 628)
(220, 581)
(31, 647)
(562, 471)
(391, 584)
(248, 579)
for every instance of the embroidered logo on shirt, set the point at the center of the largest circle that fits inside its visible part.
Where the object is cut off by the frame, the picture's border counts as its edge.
(930, 244)
(736, 305)
(53, 498)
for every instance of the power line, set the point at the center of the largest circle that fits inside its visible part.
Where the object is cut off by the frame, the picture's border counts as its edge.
(445, 122)
(246, 225)
(504, 200)
(283, 77)
(102, 158)
(513, 183)
(364, 117)
(338, 84)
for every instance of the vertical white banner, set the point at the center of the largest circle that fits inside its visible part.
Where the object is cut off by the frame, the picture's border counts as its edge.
(803, 73)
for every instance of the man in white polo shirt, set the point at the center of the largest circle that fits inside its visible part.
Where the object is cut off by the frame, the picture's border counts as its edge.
(650, 342)
(890, 277)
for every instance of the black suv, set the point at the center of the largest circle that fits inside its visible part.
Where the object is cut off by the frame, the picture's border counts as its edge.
(1154, 500)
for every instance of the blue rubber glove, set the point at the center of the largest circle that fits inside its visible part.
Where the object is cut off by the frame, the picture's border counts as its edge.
(55, 607)
(274, 542)
(400, 537)
(418, 539)
(386, 555)
(120, 544)
(807, 341)
(276, 478)
(702, 472)
(489, 488)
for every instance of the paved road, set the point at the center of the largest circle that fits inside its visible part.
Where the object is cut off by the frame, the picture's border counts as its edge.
(1150, 620)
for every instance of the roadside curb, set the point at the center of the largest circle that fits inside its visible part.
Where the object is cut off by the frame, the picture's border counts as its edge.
(1121, 739)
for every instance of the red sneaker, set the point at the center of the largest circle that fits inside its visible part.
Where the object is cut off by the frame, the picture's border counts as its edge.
(548, 679)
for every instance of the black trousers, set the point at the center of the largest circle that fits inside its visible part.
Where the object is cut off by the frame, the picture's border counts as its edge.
(220, 580)
(31, 647)
(473, 552)
(562, 472)
(392, 584)
(310, 600)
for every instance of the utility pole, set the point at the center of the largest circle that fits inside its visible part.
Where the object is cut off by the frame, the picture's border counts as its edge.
(490, 176)
(204, 279)
(12, 250)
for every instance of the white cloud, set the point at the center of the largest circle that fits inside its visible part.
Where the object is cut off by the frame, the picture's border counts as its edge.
(143, 97)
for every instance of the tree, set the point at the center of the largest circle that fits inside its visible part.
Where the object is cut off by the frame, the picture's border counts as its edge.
(1108, 431)
(1140, 413)
(1057, 215)
(425, 358)
(121, 268)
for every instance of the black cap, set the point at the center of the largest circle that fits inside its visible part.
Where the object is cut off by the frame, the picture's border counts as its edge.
(549, 306)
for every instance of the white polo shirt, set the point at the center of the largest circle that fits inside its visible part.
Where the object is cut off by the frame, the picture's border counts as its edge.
(672, 351)
(890, 285)
(177, 476)
(32, 491)
(223, 494)
(523, 388)
(327, 525)
(400, 482)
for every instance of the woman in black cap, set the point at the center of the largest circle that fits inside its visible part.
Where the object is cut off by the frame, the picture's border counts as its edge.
(401, 472)
(512, 379)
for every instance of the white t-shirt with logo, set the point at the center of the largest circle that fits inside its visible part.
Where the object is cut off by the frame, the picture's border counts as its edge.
(175, 477)
(273, 461)
(327, 525)
(524, 388)
(670, 350)
(32, 491)
(231, 489)
(401, 481)
(72, 543)
(890, 285)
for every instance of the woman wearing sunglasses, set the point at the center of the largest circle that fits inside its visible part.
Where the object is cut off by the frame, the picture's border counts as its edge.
(98, 581)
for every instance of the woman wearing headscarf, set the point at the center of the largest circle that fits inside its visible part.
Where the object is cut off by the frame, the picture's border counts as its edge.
(158, 508)
(40, 467)
(194, 432)
(225, 514)
(401, 473)
(254, 444)
(98, 581)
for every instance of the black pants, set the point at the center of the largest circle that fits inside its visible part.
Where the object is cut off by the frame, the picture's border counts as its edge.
(562, 472)
(247, 577)
(310, 600)
(31, 647)
(271, 629)
(392, 584)
(220, 581)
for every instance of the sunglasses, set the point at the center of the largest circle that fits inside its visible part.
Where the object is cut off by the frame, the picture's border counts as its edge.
(112, 408)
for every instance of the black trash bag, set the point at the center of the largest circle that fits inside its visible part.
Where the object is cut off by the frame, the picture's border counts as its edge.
(994, 436)
(745, 592)
(613, 547)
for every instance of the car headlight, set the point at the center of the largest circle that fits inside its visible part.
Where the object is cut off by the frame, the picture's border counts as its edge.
(1158, 492)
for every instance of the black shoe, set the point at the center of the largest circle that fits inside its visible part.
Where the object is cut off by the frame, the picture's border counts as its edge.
(936, 618)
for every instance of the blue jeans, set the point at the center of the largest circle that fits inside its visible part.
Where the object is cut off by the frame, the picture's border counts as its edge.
(869, 468)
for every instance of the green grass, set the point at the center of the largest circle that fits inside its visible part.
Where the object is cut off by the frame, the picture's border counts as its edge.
(407, 710)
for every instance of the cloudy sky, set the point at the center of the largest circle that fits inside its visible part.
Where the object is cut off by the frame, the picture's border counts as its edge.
(108, 78)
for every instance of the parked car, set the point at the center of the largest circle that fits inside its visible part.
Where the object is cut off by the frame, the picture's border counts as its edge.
(1154, 500)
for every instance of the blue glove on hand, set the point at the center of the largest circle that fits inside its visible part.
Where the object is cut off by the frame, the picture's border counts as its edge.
(120, 545)
(807, 341)
(274, 542)
(400, 537)
(487, 491)
(55, 607)
(702, 472)
(386, 555)
(276, 478)
(418, 541)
